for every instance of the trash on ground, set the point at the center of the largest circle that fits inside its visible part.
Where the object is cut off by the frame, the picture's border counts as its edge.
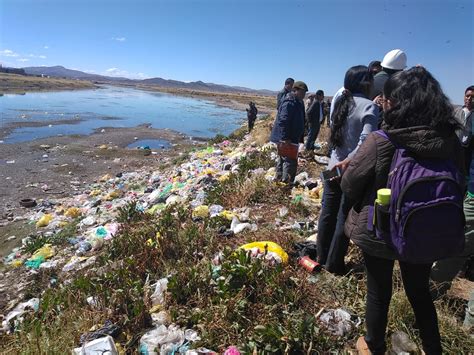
(339, 322)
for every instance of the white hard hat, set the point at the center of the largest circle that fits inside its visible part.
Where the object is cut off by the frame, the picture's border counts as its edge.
(396, 59)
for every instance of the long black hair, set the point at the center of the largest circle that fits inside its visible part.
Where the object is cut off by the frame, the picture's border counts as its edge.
(417, 100)
(358, 80)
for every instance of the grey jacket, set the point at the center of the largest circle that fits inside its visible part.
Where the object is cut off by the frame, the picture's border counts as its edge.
(379, 81)
(465, 120)
(362, 119)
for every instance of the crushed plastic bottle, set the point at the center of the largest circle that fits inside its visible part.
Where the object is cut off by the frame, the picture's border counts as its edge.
(402, 344)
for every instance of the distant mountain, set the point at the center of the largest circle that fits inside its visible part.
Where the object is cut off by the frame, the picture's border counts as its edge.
(60, 71)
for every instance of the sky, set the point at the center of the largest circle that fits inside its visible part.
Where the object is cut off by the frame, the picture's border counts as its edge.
(250, 43)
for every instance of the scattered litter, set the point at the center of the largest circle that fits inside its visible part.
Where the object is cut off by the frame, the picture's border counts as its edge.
(402, 344)
(13, 319)
(108, 329)
(321, 159)
(103, 345)
(339, 322)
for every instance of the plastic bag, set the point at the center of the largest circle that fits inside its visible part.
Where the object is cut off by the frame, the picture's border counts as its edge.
(44, 221)
(270, 247)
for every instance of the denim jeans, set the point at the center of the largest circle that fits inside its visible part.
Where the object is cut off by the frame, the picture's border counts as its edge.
(312, 135)
(379, 292)
(332, 243)
(286, 169)
(444, 271)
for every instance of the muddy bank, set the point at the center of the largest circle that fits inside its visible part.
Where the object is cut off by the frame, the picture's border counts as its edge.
(57, 167)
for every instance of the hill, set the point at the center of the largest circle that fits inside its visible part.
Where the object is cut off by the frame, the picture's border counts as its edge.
(62, 72)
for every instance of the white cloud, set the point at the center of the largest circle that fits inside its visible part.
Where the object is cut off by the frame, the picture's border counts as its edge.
(124, 73)
(45, 47)
(23, 60)
(37, 56)
(8, 53)
(119, 39)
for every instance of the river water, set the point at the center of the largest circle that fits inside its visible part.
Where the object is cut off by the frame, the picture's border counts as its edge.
(80, 112)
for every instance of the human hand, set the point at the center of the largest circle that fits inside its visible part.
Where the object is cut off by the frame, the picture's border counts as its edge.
(378, 100)
(342, 165)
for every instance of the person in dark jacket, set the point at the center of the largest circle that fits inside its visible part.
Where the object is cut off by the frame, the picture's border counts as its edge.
(444, 271)
(285, 91)
(393, 62)
(419, 118)
(354, 117)
(288, 128)
(251, 115)
(314, 116)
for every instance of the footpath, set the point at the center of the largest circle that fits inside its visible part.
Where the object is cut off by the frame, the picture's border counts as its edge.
(207, 256)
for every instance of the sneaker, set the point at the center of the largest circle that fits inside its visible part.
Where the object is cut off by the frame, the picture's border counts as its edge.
(362, 347)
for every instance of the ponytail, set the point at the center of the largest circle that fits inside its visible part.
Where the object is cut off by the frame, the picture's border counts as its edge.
(339, 117)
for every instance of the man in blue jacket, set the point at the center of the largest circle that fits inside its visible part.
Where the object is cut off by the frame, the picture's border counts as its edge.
(288, 129)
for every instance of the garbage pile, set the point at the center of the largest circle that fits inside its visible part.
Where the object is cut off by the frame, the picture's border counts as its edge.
(92, 214)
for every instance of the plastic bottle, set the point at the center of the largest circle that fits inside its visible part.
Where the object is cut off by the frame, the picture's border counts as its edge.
(402, 344)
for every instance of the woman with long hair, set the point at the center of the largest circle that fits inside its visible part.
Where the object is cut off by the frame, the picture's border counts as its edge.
(354, 117)
(418, 118)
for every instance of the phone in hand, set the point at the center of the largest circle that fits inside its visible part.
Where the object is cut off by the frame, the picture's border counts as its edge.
(327, 175)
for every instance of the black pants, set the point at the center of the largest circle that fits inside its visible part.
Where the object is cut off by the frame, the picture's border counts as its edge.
(251, 122)
(379, 292)
(332, 243)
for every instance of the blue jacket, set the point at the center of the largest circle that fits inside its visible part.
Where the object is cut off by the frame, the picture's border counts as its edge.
(289, 123)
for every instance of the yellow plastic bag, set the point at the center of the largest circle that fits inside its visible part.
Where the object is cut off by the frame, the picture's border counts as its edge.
(73, 212)
(201, 211)
(44, 221)
(227, 215)
(112, 195)
(45, 252)
(94, 193)
(105, 178)
(270, 247)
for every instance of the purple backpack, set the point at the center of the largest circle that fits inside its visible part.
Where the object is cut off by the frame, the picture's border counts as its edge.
(426, 208)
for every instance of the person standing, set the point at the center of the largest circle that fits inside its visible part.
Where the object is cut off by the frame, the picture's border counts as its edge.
(354, 117)
(285, 91)
(314, 117)
(251, 115)
(464, 117)
(288, 129)
(444, 271)
(418, 119)
(393, 62)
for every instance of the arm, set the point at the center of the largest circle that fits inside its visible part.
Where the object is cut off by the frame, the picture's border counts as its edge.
(369, 120)
(284, 119)
(361, 170)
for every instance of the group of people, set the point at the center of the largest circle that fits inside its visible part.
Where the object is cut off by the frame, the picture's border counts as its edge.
(382, 111)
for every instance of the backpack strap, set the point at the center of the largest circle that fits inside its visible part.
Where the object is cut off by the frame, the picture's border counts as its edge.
(382, 133)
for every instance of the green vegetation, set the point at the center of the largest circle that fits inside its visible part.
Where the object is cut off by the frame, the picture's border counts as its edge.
(259, 308)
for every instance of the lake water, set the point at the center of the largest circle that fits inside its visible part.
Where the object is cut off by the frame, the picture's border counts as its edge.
(87, 110)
